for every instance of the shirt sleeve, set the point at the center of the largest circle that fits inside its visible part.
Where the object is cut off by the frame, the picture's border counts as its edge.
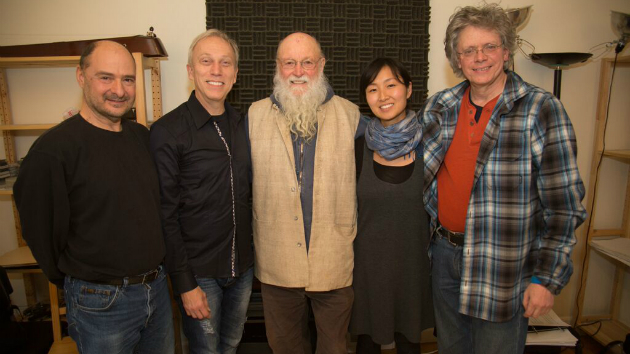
(560, 188)
(41, 197)
(166, 156)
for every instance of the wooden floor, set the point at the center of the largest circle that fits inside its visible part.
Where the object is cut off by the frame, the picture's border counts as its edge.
(589, 346)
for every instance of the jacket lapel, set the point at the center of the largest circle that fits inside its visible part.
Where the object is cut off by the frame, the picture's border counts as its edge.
(285, 133)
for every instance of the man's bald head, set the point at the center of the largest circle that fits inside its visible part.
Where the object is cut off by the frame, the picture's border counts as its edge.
(84, 62)
(301, 40)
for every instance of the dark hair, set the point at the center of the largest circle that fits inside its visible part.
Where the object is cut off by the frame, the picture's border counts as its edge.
(87, 51)
(371, 72)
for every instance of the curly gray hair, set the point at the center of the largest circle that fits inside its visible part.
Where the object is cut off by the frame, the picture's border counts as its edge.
(488, 16)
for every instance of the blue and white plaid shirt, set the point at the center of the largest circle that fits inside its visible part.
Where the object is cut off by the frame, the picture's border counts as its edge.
(525, 202)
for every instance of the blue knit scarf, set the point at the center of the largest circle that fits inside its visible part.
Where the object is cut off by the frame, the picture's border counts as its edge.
(396, 140)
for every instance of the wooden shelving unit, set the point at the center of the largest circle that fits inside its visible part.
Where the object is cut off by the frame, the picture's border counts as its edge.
(9, 128)
(611, 328)
(14, 127)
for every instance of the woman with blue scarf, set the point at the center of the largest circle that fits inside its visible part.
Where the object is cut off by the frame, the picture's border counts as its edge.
(392, 288)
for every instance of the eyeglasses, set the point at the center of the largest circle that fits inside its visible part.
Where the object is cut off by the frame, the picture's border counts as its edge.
(487, 49)
(307, 64)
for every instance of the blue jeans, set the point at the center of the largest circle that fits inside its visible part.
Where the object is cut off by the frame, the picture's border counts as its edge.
(122, 319)
(458, 333)
(228, 299)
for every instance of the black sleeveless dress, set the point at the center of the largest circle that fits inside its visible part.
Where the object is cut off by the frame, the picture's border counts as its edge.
(392, 286)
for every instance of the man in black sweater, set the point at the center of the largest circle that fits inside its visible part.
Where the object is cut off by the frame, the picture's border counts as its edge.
(88, 197)
(202, 157)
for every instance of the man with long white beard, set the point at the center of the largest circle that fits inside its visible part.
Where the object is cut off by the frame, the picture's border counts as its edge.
(304, 204)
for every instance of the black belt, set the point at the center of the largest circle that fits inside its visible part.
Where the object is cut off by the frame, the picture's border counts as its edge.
(454, 238)
(131, 280)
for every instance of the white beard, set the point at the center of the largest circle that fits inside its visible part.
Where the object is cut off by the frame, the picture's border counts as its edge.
(300, 111)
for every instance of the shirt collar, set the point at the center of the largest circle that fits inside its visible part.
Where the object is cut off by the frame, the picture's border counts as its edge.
(201, 116)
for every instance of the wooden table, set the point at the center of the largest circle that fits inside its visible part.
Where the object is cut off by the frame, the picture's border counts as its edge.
(21, 260)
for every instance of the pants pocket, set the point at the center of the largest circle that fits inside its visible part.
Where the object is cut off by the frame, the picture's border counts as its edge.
(94, 297)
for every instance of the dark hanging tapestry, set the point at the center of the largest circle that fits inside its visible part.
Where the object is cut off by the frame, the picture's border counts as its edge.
(351, 33)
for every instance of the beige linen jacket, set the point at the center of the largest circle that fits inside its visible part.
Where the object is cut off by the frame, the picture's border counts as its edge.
(281, 257)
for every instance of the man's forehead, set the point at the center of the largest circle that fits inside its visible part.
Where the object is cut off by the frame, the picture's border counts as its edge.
(107, 53)
(298, 44)
(214, 45)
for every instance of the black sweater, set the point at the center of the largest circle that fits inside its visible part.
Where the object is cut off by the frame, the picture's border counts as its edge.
(89, 202)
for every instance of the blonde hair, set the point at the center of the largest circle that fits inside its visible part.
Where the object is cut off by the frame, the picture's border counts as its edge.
(213, 32)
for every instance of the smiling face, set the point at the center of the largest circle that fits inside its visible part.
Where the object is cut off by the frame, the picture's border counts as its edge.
(108, 81)
(484, 71)
(299, 49)
(387, 97)
(213, 71)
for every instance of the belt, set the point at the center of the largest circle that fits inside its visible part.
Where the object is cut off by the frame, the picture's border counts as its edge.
(131, 280)
(454, 238)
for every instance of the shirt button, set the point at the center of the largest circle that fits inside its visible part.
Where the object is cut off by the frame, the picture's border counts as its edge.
(295, 218)
(299, 244)
(472, 123)
(292, 189)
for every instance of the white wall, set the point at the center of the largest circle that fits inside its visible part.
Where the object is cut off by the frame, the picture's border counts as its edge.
(554, 26)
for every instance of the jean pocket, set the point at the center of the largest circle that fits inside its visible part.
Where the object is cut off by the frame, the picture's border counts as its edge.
(458, 264)
(94, 298)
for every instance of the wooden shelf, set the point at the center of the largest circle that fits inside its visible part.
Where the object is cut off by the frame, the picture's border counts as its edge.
(14, 127)
(622, 155)
(19, 257)
(39, 62)
(611, 330)
(617, 248)
(612, 243)
(6, 191)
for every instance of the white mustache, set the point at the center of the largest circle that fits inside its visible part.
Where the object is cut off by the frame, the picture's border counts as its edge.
(300, 78)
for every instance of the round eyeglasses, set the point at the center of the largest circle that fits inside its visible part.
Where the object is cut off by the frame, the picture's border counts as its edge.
(487, 49)
(306, 64)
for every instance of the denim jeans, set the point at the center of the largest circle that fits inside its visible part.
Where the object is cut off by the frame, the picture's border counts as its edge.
(458, 333)
(228, 299)
(122, 319)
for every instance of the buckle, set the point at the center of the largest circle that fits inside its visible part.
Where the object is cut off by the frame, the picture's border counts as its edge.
(451, 237)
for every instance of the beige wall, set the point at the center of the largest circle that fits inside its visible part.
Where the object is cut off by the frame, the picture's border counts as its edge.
(554, 26)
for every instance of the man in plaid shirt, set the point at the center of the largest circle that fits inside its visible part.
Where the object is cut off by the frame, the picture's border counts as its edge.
(503, 191)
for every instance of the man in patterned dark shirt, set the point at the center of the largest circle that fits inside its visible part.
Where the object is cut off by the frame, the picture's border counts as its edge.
(202, 157)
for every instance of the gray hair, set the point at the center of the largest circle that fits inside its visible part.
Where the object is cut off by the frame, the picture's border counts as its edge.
(487, 16)
(213, 32)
